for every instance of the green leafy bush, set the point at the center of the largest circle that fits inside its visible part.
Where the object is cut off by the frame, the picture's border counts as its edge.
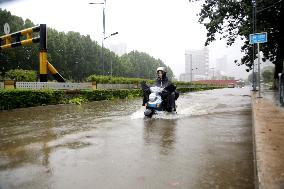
(15, 98)
(21, 75)
(77, 100)
(116, 80)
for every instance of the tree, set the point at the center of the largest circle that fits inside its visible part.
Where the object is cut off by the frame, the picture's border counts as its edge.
(21, 75)
(142, 65)
(233, 18)
(250, 78)
(75, 56)
(267, 75)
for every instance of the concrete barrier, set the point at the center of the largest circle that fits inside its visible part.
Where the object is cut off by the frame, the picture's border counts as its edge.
(9, 84)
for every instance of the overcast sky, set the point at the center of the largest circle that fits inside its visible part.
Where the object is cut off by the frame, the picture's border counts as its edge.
(161, 28)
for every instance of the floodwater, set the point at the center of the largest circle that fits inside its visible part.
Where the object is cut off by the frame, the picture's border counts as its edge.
(110, 145)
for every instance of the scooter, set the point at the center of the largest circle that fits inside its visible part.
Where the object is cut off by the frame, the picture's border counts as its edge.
(155, 101)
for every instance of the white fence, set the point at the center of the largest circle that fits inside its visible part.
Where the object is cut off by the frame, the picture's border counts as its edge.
(71, 86)
(53, 85)
(82, 86)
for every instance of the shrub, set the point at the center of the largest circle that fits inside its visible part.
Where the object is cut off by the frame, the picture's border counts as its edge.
(21, 75)
(116, 80)
(17, 98)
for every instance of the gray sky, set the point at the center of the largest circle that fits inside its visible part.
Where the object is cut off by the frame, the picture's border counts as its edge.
(162, 28)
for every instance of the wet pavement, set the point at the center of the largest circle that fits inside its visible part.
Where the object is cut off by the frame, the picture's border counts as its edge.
(272, 95)
(109, 144)
(268, 121)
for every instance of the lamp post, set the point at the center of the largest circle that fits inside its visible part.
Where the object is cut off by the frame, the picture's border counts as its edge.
(115, 33)
(76, 67)
(102, 51)
(104, 37)
(190, 67)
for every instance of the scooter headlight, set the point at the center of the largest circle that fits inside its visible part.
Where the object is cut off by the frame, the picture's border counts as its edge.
(152, 97)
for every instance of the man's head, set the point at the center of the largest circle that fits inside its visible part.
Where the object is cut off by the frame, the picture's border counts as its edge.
(161, 71)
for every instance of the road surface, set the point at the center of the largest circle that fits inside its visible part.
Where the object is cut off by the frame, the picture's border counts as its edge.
(109, 144)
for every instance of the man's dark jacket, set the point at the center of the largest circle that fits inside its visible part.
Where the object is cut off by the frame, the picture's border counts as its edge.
(162, 82)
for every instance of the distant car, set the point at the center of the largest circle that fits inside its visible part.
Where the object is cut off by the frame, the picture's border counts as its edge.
(231, 85)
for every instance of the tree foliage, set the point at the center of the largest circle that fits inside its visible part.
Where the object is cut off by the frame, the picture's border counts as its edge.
(267, 76)
(75, 56)
(22, 75)
(141, 65)
(232, 18)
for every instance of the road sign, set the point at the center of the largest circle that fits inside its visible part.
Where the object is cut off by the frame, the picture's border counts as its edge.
(258, 38)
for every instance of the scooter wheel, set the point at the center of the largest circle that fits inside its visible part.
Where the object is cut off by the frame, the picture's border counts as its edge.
(148, 113)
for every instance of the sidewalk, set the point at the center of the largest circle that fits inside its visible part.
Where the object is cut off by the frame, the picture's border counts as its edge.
(268, 133)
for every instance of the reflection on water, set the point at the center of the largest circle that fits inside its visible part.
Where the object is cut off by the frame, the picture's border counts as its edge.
(27, 134)
(109, 144)
(160, 132)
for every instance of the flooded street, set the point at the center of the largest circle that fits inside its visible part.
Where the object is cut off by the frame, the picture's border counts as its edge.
(110, 145)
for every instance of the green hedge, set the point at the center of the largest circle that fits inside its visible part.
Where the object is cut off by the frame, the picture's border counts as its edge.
(123, 80)
(184, 90)
(116, 80)
(21, 75)
(15, 98)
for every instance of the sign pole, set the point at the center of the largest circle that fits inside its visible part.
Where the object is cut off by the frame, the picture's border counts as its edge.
(258, 38)
(253, 46)
(259, 96)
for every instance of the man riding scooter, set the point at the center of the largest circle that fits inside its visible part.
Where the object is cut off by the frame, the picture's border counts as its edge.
(168, 94)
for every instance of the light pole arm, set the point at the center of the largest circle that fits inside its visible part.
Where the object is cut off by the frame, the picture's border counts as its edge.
(111, 35)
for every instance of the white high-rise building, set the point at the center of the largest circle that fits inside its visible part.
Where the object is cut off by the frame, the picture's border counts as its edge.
(221, 64)
(196, 65)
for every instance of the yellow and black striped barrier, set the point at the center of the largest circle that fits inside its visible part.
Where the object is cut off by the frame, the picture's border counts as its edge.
(15, 40)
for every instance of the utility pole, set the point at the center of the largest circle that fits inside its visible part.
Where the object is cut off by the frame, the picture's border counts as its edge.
(104, 33)
(103, 38)
(253, 46)
(111, 67)
(259, 95)
(191, 68)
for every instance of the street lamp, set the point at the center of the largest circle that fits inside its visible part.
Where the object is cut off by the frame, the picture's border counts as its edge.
(104, 37)
(77, 70)
(115, 33)
(102, 51)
